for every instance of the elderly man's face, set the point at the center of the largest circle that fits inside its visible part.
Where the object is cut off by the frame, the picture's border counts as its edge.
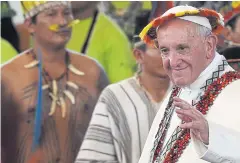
(183, 51)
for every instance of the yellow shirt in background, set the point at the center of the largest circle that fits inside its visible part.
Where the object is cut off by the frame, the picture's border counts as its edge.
(7, 51)
(108, 45)
(147, 5)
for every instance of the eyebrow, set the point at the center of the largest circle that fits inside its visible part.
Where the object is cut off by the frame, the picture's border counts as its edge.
(162, 47)
(182, 45)
(178, 45)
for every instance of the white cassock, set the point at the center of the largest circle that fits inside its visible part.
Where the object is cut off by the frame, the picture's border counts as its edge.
(223, 119)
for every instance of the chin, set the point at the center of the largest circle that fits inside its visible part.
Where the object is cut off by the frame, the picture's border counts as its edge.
(60, 45)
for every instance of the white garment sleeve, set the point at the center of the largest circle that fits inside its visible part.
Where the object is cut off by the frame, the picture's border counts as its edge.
(224, 128)
(98, 145)
(224, 145)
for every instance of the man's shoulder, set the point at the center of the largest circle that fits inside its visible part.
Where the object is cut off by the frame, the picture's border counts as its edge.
(229, 96)
(15, 64)
(232, 89)
(122, 85)
(226, 106)
(82, 61)
(13, 73)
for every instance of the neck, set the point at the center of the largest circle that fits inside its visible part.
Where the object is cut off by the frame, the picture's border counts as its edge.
(53, 60)
(50, 56)
(156, 86)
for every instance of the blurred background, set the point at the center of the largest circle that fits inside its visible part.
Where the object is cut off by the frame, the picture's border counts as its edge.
(127, 17)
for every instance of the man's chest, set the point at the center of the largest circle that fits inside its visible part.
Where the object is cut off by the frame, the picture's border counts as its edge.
(77, 99)
(58, 133)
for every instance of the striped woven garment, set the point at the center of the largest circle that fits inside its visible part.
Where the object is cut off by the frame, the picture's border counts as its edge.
(119, 126)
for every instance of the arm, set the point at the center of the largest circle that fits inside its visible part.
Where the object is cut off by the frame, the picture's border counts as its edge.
(224, 131)
(98, 144)
(224, 145)
(8, 121)
(102, 80)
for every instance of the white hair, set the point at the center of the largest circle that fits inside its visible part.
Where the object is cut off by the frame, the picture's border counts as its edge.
(203, 31)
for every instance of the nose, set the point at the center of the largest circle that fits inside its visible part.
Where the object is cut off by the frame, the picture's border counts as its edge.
(62, 21)
(174, 60)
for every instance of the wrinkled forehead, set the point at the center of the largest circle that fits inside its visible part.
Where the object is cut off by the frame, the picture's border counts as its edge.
(176, 29)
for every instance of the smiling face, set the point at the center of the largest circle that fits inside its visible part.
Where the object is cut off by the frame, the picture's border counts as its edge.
(184, 52)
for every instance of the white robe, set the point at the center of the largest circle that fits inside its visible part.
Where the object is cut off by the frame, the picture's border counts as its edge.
(223, 118)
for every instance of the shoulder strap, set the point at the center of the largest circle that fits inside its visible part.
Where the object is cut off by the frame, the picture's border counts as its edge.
(85, 45)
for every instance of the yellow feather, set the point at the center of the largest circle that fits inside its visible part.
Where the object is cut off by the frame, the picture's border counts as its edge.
(145, 30)
(74, 22)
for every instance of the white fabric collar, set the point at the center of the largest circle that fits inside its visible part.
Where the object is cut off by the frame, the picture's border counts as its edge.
(198, 83)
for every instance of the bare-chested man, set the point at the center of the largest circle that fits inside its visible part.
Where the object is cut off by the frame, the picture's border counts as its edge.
(71, 84)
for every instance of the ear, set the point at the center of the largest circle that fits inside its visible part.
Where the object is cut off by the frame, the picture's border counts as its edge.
(211, 43)
(138, 54)
(30, 26)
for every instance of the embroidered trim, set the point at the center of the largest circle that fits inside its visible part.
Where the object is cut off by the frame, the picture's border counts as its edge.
(164, 125)
(215, 76)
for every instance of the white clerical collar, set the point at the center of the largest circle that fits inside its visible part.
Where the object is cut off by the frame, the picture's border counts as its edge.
(198, 83)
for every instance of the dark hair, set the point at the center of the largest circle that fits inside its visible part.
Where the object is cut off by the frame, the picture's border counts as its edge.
(9, 33)
(34, 19)
(231, 53)
(141, 21)
(138, 43)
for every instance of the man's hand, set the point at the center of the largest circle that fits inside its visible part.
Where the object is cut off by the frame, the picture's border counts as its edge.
(193, 120)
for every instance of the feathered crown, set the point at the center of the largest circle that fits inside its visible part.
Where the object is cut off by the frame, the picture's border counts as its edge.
(32, 8)
(205, 17)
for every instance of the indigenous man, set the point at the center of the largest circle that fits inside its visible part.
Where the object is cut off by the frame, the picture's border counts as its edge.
(49, 93)
(202, 123)
(125, 111)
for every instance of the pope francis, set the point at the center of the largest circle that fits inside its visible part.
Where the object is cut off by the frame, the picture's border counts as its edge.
(199, 121)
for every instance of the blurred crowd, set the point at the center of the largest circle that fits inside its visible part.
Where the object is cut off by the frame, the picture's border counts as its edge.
(118, 21)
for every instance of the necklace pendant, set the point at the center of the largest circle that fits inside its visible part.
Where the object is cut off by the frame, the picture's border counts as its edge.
(70, 96)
